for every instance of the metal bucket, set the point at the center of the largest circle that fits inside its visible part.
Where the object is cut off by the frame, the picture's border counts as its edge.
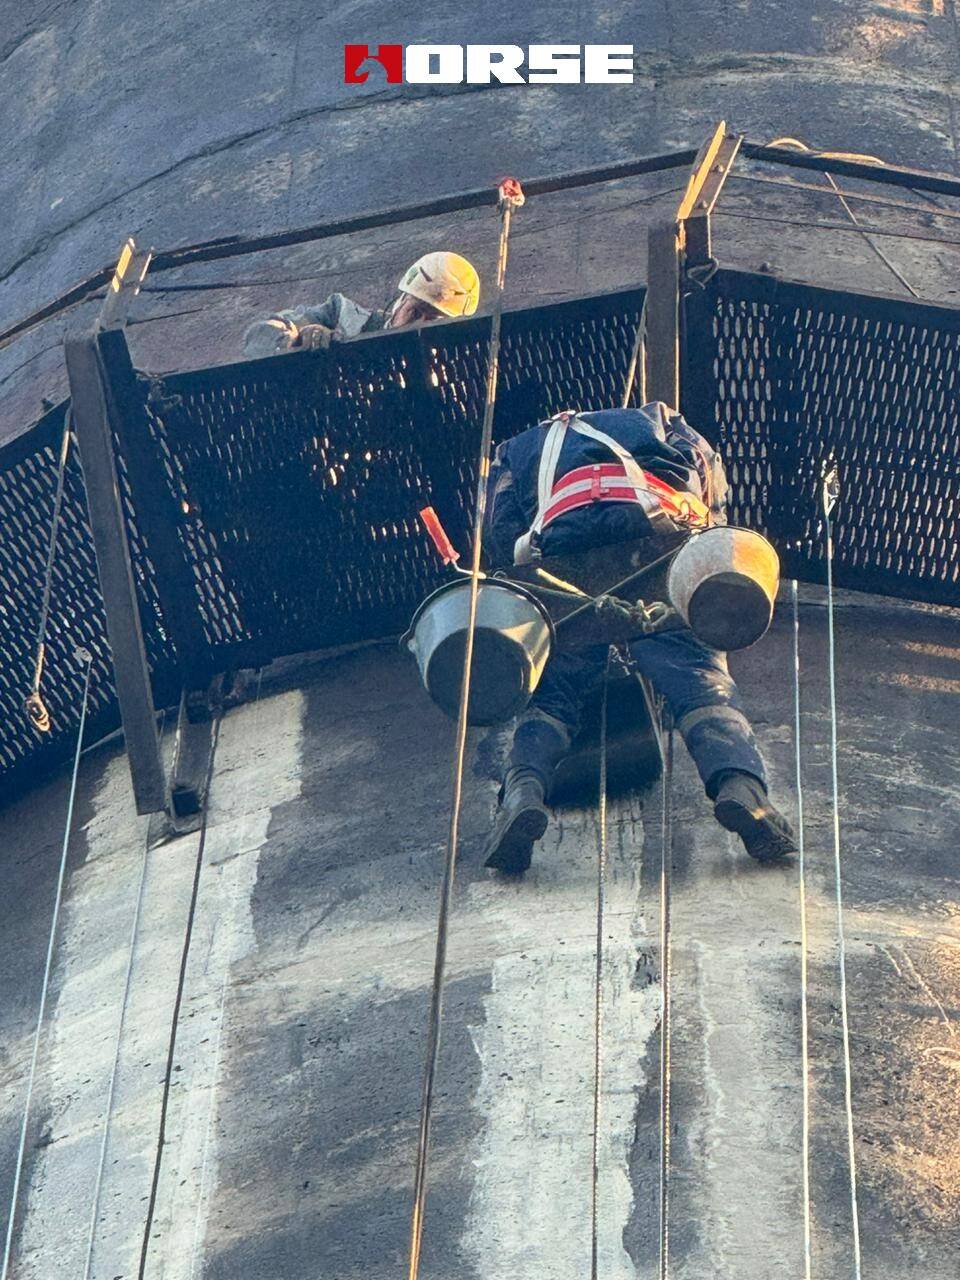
(723, 583)
(512, 642)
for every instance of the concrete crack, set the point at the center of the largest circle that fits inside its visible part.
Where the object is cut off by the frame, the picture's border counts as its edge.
(17, 42)
(227, 144)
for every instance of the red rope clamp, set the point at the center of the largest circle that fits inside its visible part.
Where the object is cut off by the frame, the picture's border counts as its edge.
(510, 193)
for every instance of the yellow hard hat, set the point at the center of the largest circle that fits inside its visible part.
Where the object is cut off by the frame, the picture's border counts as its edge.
(445, 281)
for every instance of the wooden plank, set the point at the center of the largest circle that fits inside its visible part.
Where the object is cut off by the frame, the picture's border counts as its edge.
(88, 399)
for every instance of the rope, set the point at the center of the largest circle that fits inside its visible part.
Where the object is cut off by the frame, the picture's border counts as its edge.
(37, 713)
(614, 590)
(861, 197)
(830, 493)
(511, 197)
(598, 994)
(211, 1110)
(845, 228)
(114, 1070)
(666, 853)
(845, 155)
(175, 1020)
(638, 360)
(83, 656)
(804, 941)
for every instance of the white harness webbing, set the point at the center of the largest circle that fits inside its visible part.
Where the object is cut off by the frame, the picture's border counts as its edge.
(550, 457)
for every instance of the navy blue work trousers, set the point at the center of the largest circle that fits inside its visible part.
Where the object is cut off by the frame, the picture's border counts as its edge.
(698, 690)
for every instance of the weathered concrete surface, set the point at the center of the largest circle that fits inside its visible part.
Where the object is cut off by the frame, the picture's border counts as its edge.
(229, 119)
(292, 1114)
(292, 1106)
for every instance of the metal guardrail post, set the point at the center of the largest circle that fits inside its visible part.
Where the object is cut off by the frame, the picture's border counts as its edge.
(158, 514)
(157, 517)
(673, 246)
(663, 313)
(89, 406)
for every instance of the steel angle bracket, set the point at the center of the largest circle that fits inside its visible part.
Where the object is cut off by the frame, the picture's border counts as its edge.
(129, 274)
(676, 248)
(700, 200)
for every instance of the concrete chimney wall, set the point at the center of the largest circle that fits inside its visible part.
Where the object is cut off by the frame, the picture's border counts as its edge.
(292, 1107)
(213, 120)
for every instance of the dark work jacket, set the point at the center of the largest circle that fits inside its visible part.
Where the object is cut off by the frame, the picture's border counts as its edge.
(661, 442)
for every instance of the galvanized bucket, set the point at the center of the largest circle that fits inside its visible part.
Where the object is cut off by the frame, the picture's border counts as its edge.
(723, 583)
(512, 642)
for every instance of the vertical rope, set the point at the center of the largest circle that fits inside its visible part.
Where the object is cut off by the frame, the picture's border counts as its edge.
(115, 1068)
(829, 497)
(52, 546)
(221, 1008)
(178, 1004)
(804, 941)
(87, 658)
(598, 990)
(36, 711)
(797, 145)
(510, 197)
(638, 361)
(666, 853)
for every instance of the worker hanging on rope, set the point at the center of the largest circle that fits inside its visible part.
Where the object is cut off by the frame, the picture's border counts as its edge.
(438, 285)
(593, 479)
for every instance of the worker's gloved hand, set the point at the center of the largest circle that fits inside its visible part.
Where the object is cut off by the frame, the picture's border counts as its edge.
(269, 337)
(647, 618)
(313, 337)
(661, 617)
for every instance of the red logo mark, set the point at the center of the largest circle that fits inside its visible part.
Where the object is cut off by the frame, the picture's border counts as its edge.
(390, 57)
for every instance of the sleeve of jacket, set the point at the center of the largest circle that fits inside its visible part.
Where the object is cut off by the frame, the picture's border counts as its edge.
(505, 521)
(713, 477)
(274, 334)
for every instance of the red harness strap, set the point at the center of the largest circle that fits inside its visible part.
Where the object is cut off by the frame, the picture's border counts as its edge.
(607, 482)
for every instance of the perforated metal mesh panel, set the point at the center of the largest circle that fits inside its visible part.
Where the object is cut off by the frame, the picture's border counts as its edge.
(295, 482)
(285, 491)
(788, 377)
(28, 481)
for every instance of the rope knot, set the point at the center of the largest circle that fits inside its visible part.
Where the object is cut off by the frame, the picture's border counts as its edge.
(510, 193)
(37, 713)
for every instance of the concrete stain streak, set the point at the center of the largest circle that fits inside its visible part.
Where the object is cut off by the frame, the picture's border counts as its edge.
(530, 1206)
(735, 1167)
(257, 768)
(259, 756)
(81, 1035)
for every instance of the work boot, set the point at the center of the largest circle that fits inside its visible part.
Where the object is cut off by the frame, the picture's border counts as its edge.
(742, 805)
(520, 822)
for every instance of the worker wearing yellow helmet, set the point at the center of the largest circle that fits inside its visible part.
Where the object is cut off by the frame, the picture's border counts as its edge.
(437, 286)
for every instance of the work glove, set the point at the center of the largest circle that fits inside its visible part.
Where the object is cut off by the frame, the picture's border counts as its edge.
(269, 337)
(313, 337)
(649, 619)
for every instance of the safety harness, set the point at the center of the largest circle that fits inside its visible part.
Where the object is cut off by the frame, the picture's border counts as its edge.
(622, 481)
